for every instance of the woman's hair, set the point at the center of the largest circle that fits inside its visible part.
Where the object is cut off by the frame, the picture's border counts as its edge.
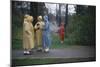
(62, 23)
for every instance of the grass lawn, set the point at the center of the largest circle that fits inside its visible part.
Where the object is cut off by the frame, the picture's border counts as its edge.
(29, 61)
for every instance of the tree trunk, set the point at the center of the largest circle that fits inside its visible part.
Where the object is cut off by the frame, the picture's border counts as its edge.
(66, 16)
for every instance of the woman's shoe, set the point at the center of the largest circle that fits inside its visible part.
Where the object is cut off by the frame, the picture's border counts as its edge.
(46, 50)
(25, 52)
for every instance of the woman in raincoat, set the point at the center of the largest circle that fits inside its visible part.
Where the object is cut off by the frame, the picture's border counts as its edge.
(46, 35)
(61, 32)
(38, 27)
(28, 34)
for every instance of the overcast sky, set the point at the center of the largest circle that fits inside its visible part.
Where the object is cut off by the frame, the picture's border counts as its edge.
(52, 8)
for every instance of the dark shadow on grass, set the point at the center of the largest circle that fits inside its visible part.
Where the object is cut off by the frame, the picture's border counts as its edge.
(26, 62)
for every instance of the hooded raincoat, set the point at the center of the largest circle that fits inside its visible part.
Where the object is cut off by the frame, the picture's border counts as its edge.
(46, 33)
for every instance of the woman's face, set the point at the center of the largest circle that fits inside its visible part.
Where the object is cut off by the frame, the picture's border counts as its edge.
(30, 19)
(25, 19)
(45, 18)
(39, 19)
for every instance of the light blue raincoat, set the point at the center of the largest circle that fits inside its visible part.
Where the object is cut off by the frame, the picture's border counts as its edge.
(46, 33)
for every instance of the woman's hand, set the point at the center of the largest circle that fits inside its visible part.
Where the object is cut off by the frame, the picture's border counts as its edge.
(27, 32)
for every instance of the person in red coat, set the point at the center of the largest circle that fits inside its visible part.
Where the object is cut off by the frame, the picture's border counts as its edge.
(61, 32)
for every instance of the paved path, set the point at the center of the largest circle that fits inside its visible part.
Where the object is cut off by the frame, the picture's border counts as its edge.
(71, 52)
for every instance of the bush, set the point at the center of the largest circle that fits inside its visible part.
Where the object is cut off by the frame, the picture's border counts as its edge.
(81, 30)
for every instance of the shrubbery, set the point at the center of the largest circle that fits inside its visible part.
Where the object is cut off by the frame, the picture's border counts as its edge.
(81, 30)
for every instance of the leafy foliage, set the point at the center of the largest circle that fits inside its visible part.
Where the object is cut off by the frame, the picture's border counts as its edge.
(81, 30)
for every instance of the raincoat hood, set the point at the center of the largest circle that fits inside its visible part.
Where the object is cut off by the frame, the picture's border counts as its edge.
(46, 18)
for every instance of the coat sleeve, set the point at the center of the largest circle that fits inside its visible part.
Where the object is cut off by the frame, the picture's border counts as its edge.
(27, 28)
(35, 27)
(42, 25)
(46, 26)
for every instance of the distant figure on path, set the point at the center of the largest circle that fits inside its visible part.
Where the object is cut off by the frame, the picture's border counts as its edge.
(61, 32)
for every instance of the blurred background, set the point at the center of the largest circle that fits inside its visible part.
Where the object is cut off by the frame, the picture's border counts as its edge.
(79, 20)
